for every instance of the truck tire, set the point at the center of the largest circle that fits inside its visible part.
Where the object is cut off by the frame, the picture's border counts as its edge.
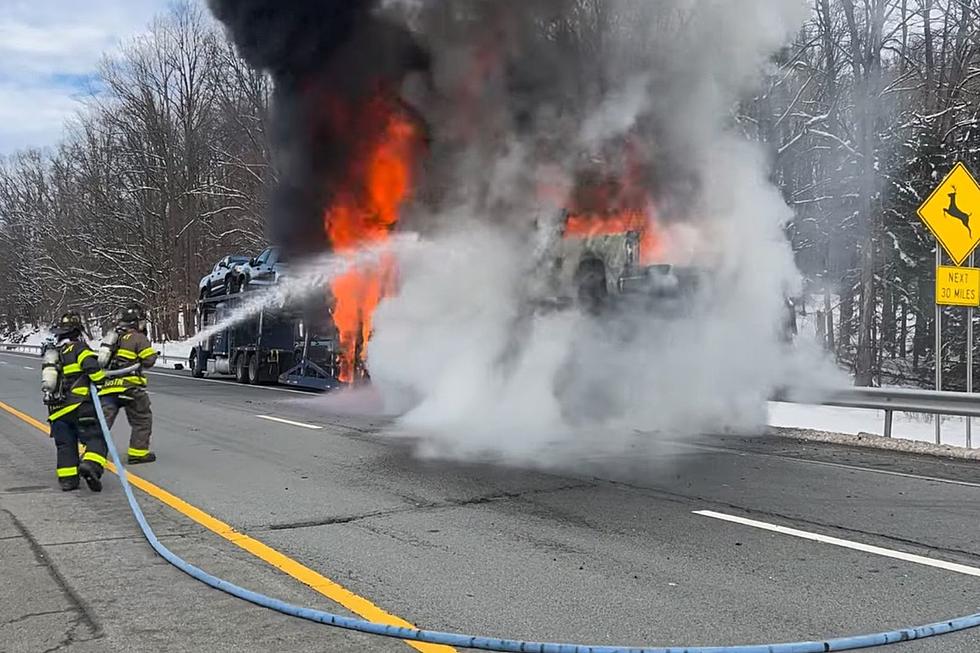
(241, 368)
(196, 363)
(255, 376)
(590, 282)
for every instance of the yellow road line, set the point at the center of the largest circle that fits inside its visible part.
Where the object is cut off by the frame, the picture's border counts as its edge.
(40, 426)
(333, 591)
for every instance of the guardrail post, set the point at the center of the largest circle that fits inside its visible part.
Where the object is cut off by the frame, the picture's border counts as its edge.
(888, 423)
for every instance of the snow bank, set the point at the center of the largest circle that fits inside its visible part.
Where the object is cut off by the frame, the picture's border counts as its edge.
(878, 442)
(26, 335)
(852, 421)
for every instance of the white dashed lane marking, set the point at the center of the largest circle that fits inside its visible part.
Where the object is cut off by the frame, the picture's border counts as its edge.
(302, 425)
(846, 544)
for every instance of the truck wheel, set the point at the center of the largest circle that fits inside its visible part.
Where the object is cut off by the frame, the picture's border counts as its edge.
(196, 363)
(254, 372)
(241, 368)
(590, 279)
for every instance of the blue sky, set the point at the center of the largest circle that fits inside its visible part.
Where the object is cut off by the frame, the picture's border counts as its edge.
(49, 55)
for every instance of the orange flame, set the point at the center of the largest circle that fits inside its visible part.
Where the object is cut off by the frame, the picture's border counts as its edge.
(604, 203)
(364, 211)
(619, 222)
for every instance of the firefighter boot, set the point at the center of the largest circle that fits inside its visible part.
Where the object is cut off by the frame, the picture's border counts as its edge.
(92, 473)
(148, 457)
(68, 483)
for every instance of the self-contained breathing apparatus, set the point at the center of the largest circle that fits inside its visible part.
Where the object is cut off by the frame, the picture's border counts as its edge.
(110, 343)
(52, 375)
(129, 318)
(52, 380)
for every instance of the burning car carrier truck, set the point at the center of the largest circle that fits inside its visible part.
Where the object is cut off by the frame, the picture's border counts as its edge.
(278, 345)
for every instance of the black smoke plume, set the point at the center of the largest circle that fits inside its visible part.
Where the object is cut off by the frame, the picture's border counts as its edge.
(320, 53)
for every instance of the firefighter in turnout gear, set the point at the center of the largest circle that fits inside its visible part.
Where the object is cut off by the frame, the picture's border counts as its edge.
(128, 347)
(69, 367)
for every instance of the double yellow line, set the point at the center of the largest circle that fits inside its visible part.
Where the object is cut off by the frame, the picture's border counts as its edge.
(330, 589)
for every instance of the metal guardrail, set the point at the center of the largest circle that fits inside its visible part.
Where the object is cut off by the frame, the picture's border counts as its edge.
(903, 400)
(35, 350)
(18, 348)
(889, 400)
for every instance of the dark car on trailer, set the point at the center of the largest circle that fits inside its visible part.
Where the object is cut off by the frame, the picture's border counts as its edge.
(266, 269)
(218, 280)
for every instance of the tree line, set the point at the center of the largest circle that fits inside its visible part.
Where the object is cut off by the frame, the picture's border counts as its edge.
(865, 114)
(168, 167)
(162, 174)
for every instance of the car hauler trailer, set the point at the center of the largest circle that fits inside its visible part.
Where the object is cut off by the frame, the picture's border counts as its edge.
(275, 346)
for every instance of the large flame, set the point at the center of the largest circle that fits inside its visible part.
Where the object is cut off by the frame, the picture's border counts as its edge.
(641, 222)
(605, 204)
(363, 211)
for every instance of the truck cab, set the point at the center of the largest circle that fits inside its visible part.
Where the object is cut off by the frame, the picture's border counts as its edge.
(600, 261)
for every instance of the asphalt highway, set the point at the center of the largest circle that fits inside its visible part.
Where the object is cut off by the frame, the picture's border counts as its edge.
(686, 547)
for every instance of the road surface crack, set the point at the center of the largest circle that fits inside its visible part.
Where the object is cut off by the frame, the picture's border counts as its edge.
(118, 538)
(426, 506)
(32, 615)
(84, 614)
(70, 636)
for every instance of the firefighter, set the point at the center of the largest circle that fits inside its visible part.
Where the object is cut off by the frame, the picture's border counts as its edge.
(69, 367)
(124, 347)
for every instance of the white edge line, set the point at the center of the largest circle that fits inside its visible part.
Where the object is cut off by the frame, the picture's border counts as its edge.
(846, 544)
(228, 382)
(887, 472)
(290, 422)
(824, 463)
(18, 354)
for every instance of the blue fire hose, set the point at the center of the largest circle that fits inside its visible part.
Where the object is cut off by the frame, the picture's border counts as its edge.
(507, 645)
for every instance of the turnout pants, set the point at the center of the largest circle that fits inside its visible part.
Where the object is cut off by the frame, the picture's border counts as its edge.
(78, 427)
(136, 403)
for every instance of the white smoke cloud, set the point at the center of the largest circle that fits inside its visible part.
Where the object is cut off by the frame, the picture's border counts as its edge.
(618, 112)
(478, 372)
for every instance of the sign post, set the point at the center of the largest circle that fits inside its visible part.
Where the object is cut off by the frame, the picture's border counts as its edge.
(969, 365)
(949, 213)
(938, 355)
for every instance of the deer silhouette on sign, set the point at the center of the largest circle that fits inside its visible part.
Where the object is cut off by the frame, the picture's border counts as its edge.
(956, 212)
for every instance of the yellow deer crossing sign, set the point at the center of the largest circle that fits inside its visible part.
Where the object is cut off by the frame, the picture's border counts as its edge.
(952, 213)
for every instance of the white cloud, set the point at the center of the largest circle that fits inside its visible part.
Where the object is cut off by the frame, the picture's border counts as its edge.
(67, 48)
(33, 115)
(47, 50)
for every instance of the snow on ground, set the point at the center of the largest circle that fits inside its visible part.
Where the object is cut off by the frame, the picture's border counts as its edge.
(27, 335)
(857, 420)
(175, 352)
